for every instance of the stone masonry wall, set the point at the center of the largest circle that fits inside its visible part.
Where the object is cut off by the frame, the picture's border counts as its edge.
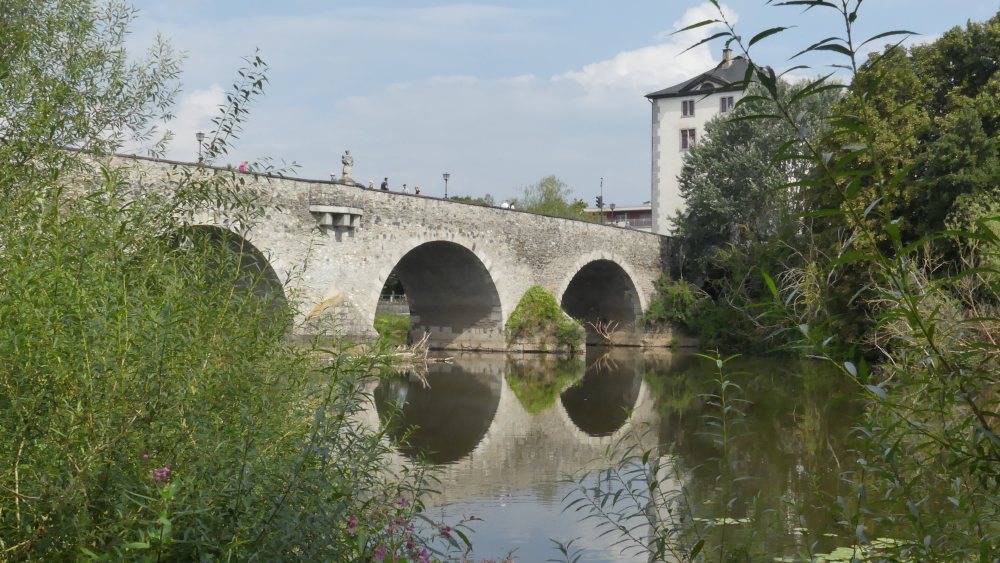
(340, 270)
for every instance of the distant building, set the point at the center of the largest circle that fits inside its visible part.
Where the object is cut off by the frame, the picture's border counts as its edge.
(679, 117)
(638, 217)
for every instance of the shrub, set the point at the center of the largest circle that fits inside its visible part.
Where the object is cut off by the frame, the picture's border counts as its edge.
(675, 302)
(539, 316)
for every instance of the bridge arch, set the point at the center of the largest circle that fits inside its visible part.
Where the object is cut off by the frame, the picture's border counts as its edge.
(251, 273)
(452, 294)
(601, 287)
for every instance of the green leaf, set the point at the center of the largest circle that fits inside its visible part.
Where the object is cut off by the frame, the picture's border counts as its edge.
(702, 23)
(137, 545)
(877, 391)
(770, 285)
(697, 549)
(815, 46)
(707, 39)
(886, 34)
(764, 34)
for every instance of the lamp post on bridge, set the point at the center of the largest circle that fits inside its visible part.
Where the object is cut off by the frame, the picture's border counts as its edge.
(201, 137)
(446, 176)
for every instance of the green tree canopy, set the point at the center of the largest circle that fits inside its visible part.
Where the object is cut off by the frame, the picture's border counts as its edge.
(551, 196)
(934, 115)
(733, 188)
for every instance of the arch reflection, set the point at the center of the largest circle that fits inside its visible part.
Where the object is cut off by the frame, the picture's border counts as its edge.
(444, 422)
(599, 404)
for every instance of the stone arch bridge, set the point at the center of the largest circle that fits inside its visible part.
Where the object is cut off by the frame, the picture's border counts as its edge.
(464, 268)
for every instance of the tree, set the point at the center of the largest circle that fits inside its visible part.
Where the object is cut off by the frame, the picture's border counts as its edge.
(732, 185)
(551, 196)
(150, 407)
(66, 81)
(934, 113)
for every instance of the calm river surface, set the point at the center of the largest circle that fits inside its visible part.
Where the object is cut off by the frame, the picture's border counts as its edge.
(506, 432)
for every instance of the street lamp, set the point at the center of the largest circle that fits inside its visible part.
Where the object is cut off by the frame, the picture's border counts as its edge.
(446, 176)
(201, 137)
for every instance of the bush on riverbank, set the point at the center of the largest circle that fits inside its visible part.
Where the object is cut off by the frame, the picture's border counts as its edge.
(539, 318)
(150, 406)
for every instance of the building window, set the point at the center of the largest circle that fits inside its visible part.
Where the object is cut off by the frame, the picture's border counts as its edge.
(687, 108)
(687, 139)
(726, 103)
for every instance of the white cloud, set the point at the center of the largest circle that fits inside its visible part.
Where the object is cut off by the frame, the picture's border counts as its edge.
(494, 131)
(657, 66)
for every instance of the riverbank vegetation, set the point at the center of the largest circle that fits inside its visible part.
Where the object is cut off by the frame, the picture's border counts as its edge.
(150, 405)
(879, 258)
(394, 330)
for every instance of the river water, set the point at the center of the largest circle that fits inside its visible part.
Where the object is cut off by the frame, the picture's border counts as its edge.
(518, 438)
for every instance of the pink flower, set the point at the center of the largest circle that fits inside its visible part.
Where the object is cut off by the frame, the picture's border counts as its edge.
(145, 455)
(352, 524)
(424, 556)
(402, 502)
(162, 474)
(446, 532)
(380, 552)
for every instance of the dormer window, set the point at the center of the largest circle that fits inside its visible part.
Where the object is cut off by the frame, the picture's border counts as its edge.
(687, 108)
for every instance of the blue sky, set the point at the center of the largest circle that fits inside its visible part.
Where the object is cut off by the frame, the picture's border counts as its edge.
(499, 94)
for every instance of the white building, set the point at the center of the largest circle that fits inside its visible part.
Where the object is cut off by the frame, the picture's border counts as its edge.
(679, 117)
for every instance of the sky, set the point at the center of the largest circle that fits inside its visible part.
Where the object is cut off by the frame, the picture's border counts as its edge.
(499, 94)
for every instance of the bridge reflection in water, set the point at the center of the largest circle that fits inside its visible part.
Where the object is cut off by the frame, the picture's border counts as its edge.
(505, 430)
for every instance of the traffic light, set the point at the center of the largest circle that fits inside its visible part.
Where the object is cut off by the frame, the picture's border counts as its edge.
(600, 202)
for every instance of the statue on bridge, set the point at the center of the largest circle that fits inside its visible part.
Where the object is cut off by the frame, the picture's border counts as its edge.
(348, 161)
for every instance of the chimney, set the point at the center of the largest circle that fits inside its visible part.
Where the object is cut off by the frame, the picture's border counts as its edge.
(727, 58)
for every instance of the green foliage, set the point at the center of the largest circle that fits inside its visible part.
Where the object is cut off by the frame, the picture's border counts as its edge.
(929, 435)
(67, 81)
(538, 316)
(902, 158)
(732, 180)
(675, 301)
(551, 196)
(537, 387)
(150, 406)
(393, 329)
(932, 114)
